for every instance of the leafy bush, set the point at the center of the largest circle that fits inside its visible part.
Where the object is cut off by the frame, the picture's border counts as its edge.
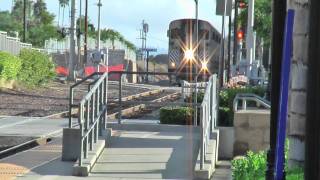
(176, 115)
(253, 166)
(249, 167)
(226, 116)
(9, 66)
(226, 102)
(200, 96)
(37, 68)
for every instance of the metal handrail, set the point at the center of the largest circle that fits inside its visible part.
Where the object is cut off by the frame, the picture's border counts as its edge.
(92, 116)
(244, 97)
(71, 93)
(208, 116)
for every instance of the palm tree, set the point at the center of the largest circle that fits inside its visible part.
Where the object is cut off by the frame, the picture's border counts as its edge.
(130, 45)
(113, 35)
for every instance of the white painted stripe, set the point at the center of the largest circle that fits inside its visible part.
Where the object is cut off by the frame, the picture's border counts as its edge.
(20, 122)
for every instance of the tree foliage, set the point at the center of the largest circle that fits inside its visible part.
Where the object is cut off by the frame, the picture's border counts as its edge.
(37, 68)
(113, 35)
(262, 19)
(41, 27)
(91, 29)
(40, 22)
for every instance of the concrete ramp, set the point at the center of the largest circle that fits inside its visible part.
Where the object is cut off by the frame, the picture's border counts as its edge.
(149, 152)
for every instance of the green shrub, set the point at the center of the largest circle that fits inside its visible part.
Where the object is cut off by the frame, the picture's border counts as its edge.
(253, 166)
(37, 68)
(226, 102)
(9, 66)
(250, 167)
(176, 115)
(200, 96)
(226, 114)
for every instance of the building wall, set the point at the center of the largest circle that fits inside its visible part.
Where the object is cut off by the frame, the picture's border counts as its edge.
(297, 94)
(251, 131)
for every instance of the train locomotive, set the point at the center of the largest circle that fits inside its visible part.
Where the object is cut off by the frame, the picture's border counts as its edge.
(190, 59)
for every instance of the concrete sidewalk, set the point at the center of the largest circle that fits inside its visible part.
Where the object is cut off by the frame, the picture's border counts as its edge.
(153, 152)
(223, 171)
(149, 155)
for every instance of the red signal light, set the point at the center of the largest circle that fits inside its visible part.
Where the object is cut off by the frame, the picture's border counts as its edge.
(242, 5)
(240, 35)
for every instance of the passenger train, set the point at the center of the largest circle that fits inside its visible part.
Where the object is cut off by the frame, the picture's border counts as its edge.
(188, 58)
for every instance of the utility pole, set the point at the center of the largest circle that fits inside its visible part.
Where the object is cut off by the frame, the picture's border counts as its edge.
(250, 38)
(235, 29)
(229, 50)
(221, 62)
(148, 50)
(72, 41)
(197, 42)
(80, 63)
(24, 20)
(86, 34)
(99, 30)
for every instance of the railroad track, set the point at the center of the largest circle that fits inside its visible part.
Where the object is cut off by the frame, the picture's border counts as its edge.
(143, 105)
(131, 104)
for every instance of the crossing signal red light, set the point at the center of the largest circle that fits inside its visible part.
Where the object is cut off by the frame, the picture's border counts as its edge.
(242, 5)
(240, 35)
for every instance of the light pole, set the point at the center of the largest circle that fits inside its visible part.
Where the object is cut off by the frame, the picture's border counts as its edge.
(99, 21)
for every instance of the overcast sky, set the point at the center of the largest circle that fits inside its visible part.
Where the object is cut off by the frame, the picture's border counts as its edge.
(126, 16)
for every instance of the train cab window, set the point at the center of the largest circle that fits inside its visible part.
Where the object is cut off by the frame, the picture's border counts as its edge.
(219, 39)
(213, 37)
(174, 33)
(182, 34)
(204, 34)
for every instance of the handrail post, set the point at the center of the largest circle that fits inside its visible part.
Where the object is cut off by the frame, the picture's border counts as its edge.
(120, 99)
(211, 111)
(105, 101)
(244, 104)
(201, 139)
(182, 91)
(196, 107)
(70, 106)
(81, 134)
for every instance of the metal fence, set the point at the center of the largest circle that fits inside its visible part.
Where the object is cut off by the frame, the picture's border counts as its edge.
(208, 116)
(92, 109)
(13, 45)
(92, 115)
(245, 97)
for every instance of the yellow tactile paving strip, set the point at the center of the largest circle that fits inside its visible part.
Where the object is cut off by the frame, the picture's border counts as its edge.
(10, 171)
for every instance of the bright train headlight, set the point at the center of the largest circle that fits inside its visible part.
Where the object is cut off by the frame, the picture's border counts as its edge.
(188, 54)
(204, 65)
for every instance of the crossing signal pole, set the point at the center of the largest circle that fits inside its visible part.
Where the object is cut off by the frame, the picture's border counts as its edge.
(72, 41)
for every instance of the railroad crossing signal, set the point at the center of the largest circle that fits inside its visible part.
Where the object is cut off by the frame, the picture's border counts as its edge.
(240, 35)
(242, 4)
